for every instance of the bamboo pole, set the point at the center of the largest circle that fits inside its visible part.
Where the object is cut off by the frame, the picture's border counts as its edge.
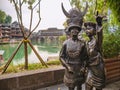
(41, 60)
(26, 54)
(10, 59)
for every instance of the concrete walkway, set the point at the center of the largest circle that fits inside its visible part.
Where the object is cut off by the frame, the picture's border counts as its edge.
(113, 86)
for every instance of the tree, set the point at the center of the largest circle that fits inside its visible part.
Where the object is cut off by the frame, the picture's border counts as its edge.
(110, 8)
(32, 5)
(114, 6)
(94, 5)
(8, 19)
(2, 16)
(5, 18)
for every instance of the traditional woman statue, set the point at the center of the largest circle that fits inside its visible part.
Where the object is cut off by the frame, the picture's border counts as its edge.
(73, 56)
(96, 75)
(73, 53)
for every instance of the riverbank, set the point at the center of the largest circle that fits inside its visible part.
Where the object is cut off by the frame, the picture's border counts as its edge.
(32, 66)
(9, 42)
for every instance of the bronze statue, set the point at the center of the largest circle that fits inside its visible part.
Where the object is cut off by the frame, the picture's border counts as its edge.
(73, 54)
(96, 76)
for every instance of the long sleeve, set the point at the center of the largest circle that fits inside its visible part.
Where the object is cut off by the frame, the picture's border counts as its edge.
(99, 33)
(99, 37)
(62, 56)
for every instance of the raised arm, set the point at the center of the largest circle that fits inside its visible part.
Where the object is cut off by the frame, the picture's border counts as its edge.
(99, 32)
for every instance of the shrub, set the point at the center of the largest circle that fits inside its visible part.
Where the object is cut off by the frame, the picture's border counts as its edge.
(111, 44)
(62, 38)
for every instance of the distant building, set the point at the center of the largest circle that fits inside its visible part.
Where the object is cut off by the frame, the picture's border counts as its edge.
(16, 32)
(5, 33)
(10, 32)
(50, 34)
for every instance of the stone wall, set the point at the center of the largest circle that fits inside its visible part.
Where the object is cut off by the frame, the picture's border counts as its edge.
(31, 80)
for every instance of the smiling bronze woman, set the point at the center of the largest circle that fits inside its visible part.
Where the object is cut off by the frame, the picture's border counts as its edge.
(96, 76)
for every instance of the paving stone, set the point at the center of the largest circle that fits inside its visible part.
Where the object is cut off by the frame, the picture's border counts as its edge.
(113, 86)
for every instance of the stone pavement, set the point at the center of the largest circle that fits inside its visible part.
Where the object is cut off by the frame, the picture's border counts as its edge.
(112, 86)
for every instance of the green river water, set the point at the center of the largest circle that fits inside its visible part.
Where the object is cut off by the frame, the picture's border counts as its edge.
(45, 50)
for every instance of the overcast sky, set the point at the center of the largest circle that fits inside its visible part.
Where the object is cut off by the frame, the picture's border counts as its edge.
(51, 13)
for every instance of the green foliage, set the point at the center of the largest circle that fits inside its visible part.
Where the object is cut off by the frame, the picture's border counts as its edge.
(114, 6)
(53, 62)
(8, 19)
(12, 68)
(111, 44)
(102, 6)
(33, 66)
(20, 2)
(75, 3)
(5, 18)
(94, 5)
(30, 3)
(84, 36)
(20, 67)
(2, 16)
(62, 38)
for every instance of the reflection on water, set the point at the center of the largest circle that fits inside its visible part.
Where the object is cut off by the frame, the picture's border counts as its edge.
(50, 48)
(44, 49)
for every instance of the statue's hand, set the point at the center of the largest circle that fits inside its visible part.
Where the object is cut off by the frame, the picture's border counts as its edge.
(70, 70)
(99, 19)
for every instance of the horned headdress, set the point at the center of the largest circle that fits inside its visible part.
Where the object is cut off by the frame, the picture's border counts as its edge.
(74, 15)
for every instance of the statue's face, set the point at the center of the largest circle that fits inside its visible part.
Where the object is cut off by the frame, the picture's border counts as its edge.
(74, 31)
(90, 31)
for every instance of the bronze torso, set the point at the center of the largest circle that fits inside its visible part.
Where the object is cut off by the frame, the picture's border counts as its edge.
(74, 54)
(73, 51)
(94, 55)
